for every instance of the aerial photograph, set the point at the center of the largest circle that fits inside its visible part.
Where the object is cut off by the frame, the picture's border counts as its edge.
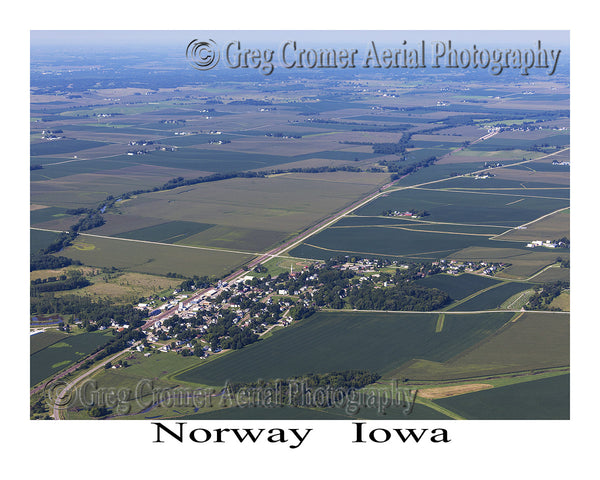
(299, 225)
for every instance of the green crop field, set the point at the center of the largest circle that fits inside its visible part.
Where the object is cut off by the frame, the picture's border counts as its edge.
(45, 214)
(58, 147)
(40, 239)
(400, 242)
(208, 160)
(493, 298)
(458, 286)
(461, 207)
(512, 143)
(418, 224)
(39, 341)
(544, 399)
(57, 356)
(80, 166)
(168, 232)
(535, 340)
(336, 341)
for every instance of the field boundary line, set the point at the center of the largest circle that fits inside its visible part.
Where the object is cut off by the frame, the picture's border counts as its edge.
(430, 222)
(473, 295)
(384, 191)
(440, 323)
(457, 190)
(214, 249)
(438, 408)
(398, 227)
(376, 254)
(519, 227)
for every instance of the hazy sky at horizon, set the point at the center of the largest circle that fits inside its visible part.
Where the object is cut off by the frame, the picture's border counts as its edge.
(322, 38)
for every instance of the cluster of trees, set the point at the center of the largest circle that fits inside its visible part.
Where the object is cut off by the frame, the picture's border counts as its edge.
(195, 282)
(543, 296)
(226, 334)
(92, 313)
(63, 240)
(63, 282)
(394, 148)
(563, 242)
(98, 411)
(296, 390)
(397, 297)
(249, 101)
(39, 407)
(91, 220)
(563, 263)
(281, 134)
(40, 261)
(401, 172)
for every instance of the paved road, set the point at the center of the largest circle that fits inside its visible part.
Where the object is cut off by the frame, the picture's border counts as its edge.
(56, 407)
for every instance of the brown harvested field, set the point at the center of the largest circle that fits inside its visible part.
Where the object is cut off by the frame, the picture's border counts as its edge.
(33, 207)
(86, 189)
(358, 148)
(529, 135)
(467, 132)
(444, 392)
(111, 135)
(375, 137)
(124, 223)
(481, 156)
(552, 227)
(439, 138)
(280, 146)
(553, 274)
(152, 259)
(537, 340)
(60, 224)
(343, 177)
(563, 302)
(310, 163)
(557, 178)
(325, 141)
(280, 203)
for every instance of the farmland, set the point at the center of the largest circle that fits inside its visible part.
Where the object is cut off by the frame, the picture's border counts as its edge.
(61, 354)
(152, 258)
(533, 341)
(213, 211)
(336, 341)
(542, 399)
(458, 287)
(492, 298)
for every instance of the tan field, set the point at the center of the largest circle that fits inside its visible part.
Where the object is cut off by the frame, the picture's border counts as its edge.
(444, 392)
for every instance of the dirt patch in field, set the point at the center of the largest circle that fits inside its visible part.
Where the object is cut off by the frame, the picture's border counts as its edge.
(33, 207)
(443, 392)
